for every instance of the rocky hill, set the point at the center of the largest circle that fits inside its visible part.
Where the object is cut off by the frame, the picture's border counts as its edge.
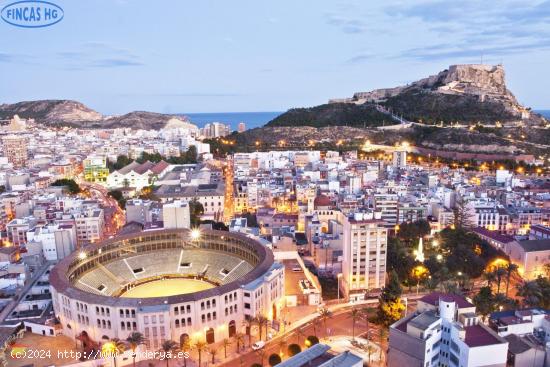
(463, 93)
(75, 114)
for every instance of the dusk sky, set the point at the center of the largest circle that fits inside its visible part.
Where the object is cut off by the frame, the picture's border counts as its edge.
(213, 56)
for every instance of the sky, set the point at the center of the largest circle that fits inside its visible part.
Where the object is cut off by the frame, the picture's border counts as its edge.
(177, 56)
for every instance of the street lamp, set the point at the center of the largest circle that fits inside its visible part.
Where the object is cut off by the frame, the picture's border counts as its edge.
(195, 234)
(338, 286)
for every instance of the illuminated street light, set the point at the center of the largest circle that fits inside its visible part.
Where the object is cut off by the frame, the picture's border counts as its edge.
(195, 234)
(435, 243)
(82, 255)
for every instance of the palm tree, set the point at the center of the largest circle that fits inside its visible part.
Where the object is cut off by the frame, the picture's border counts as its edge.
(213, 352)
(134, 340)
(370, 349)
(316, 322)
(355, 314)
(383, 334)
(249, 323)
(325, 314)
(511, 269)
(491, 277)
(367, 313)
(169, 347)
(239, 340)
(262, 322)
(225, 342)
(185, 347)
(113, 348)
(200, 347)
(500, 273)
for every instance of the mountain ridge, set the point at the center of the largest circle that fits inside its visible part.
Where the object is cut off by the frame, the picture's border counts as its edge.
(468, 94)
(63, 112)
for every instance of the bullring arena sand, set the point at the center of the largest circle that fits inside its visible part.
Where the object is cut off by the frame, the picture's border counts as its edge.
(167, 287)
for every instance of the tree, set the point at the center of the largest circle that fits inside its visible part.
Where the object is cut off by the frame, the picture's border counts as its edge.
(546, 268)
(484, 302)
(169, 348)
(196, 210)
(248, 323)
(293, 349)
(274, 359)
(239, 340)
(462, 215)
(511, 270)
(383, 334)
(500, 272)
(72, 186)
(119, 197)
(389, 302)
(262, 322)
(134, 340)
(355, 314)
(325, 315)
(535, 293)
(226, 343)
(316, 322)
(200, 347)
(185, 347)
(213, 352)
(113, 348)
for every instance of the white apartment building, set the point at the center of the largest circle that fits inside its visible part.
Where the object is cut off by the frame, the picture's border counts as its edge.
(364, 255)
(399, 159)
(176, 215)
(90, 225)
(57, 241)
(444, 331)
(387, 204)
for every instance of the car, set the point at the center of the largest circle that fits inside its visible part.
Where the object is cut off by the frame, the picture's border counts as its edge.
(258, 345)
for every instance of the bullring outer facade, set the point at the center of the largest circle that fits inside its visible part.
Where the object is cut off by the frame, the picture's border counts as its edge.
(95, 299)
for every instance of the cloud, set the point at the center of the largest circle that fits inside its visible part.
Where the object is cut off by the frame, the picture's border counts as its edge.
(108, 63)
(98, 55)
(475, 29)
(360, 58)
(16, 58)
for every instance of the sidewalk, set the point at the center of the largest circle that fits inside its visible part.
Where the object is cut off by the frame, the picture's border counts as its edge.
(300, 321)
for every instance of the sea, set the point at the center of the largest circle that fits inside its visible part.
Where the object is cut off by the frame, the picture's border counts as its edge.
(250, 119)
(545, 113)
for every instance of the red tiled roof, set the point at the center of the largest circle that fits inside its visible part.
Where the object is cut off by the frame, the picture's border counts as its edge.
(159, 167)
(494, 235)
(477, 336)
(433, 299)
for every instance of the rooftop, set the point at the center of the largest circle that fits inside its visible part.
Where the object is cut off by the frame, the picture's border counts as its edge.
(535, 245)
(433, 299)
(477, 336)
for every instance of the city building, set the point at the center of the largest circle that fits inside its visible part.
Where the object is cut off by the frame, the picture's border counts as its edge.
(242, 127)
(229, 278)
(176, 215)
(364, 254)
(399, 158)
(90, 225)
(444, 331)
(15, 148)
(95, 169)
